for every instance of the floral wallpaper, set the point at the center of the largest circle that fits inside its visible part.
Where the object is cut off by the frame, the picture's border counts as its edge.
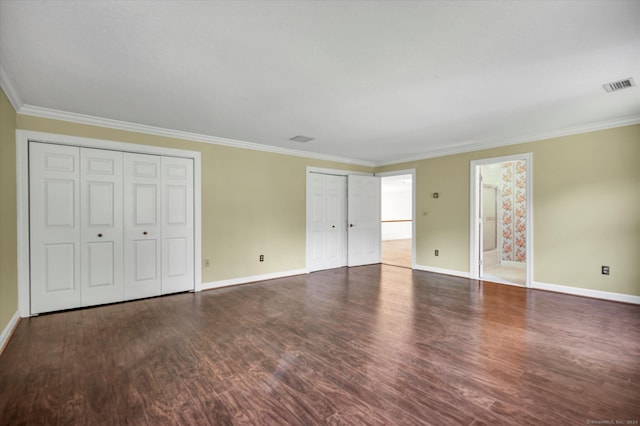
(513, 197)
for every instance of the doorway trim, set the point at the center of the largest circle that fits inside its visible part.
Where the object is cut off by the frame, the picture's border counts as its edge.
(23, 137)
(474, 225)
(411, 172)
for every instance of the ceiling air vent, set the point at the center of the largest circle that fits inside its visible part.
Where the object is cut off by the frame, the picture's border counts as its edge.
(619, 85)
(301, 138)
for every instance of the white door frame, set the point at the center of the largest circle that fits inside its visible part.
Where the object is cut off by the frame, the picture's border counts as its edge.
(325, 171)
(474, 228)
(411, 172)
(22, 176)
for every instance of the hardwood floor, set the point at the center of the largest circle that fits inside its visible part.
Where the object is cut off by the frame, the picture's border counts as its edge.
(397, 252)
(366, 345)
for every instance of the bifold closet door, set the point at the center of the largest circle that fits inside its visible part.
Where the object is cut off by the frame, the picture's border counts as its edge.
(101, 226)
(177, 225)
(54, 194)
(328, 220)
(107, 226)
(142, 226)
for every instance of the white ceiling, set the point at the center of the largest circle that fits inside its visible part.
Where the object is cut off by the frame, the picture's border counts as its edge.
(370, 80)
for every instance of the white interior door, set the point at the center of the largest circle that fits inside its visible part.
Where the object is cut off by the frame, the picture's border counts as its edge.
(102, 226)
(177, 225)
(327, 221)
(364, 220)
(54, 195)
(142, 226)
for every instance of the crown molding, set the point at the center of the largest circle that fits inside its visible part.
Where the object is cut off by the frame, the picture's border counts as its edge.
(90, 120)
(478, 146)
(54, 114)
(10, 89)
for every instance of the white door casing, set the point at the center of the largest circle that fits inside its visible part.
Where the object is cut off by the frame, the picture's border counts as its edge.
(327, 221)
(480, 223)
(55, 227)
(475, 229)
(102, 230)
(177, 224)
(142, 226)
(364, 220)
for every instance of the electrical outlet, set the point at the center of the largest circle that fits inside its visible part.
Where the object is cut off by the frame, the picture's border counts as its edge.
(605, 270)
(437, 253)
(207, 263)
(262, 258)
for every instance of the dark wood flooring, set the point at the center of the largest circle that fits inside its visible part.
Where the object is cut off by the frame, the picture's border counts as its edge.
(367, 345)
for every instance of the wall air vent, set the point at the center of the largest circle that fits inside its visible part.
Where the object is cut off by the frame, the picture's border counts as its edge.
(301, 138)
(619, 85)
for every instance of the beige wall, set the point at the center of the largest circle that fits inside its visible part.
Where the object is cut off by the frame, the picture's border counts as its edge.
(586, 206)
(586, 209)
(8, 225)
(253, 202)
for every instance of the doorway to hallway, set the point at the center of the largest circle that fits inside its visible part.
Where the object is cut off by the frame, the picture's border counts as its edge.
(397, 219)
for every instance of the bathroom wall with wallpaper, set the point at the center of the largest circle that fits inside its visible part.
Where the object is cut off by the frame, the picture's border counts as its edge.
(513, 207)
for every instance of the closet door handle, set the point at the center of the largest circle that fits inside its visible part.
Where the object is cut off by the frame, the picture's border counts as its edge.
(333, 226)
(351, 225)
(145, 233)
(99, 235)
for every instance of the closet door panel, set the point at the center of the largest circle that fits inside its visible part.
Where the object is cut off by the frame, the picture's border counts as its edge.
(142, 226)
(317, 226)
(177, 225)
(336, 221)
(54, 226)
(327, 222)
(101, 177)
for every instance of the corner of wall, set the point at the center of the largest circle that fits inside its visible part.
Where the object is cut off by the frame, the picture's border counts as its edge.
(8, 216)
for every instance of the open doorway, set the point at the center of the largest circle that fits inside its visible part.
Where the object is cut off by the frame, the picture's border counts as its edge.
(397, 219)
(501, 224)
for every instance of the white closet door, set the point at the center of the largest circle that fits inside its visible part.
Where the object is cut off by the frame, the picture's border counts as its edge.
(54, 227)
(364, 220)
(336, 221)
(327, 222)
(317, 194)
(142, 226)
(102, 226)
(177, 225)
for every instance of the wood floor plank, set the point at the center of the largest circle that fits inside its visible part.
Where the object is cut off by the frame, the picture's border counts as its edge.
(367, 345)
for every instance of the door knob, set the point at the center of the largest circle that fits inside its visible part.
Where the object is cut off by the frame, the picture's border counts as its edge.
(351, 225)
(99, 235)
(145, 233)
(333, 226)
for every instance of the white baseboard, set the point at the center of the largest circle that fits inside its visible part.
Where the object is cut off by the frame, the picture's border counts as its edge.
(251, 279)
(443, 271)
(596, 294)
(8, 331)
